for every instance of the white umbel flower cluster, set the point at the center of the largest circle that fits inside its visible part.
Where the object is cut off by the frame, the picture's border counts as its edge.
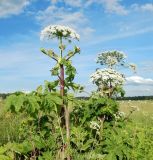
(58, 31)
(104, 76)
(94, 125)
(111, 58)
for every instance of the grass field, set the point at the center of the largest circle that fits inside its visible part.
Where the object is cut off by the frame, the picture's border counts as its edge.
(143, 110)
(143, 105)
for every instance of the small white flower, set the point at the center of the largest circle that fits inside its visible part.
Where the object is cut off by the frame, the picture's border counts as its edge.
(64, 33)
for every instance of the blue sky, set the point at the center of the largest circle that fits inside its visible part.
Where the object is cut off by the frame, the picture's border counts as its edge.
(102, 24)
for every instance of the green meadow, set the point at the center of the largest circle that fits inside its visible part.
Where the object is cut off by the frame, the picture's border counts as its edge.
(138, 131)
(143, 112)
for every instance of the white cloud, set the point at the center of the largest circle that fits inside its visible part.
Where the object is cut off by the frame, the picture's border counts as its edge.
(110, 6)
(56, 15)
(142, 90)
(148, 7)
(73, 3)
(139, 86)
(113, 6)
(12, 7)
(76, 3)
(137, 80)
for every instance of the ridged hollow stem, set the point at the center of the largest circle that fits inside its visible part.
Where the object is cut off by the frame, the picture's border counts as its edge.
(61, 72)
(61, 80)
(64, 109)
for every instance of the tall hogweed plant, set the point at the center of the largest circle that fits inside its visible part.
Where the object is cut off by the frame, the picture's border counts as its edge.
(63, 65)
(47, 110)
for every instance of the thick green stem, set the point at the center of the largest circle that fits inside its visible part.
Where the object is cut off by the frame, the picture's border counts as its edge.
(61, 79)
(64, 108)
(61, 73)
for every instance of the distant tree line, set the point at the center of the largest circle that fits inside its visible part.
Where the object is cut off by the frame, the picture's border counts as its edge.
(4, 95)
(127, 98)
(136, 98)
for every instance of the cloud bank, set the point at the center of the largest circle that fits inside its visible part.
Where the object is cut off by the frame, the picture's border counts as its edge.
(137, 80)
(12, 7)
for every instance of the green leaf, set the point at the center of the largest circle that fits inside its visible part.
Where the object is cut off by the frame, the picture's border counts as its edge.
(3, 157)
(23, 147)
(43, 50)
(87, 145)
(3, 150)
(46, 156)
(55, 70)
(57, 99)
(51, 86)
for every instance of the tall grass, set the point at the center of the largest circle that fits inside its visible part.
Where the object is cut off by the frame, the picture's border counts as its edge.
(9, 126)
(141, 128)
